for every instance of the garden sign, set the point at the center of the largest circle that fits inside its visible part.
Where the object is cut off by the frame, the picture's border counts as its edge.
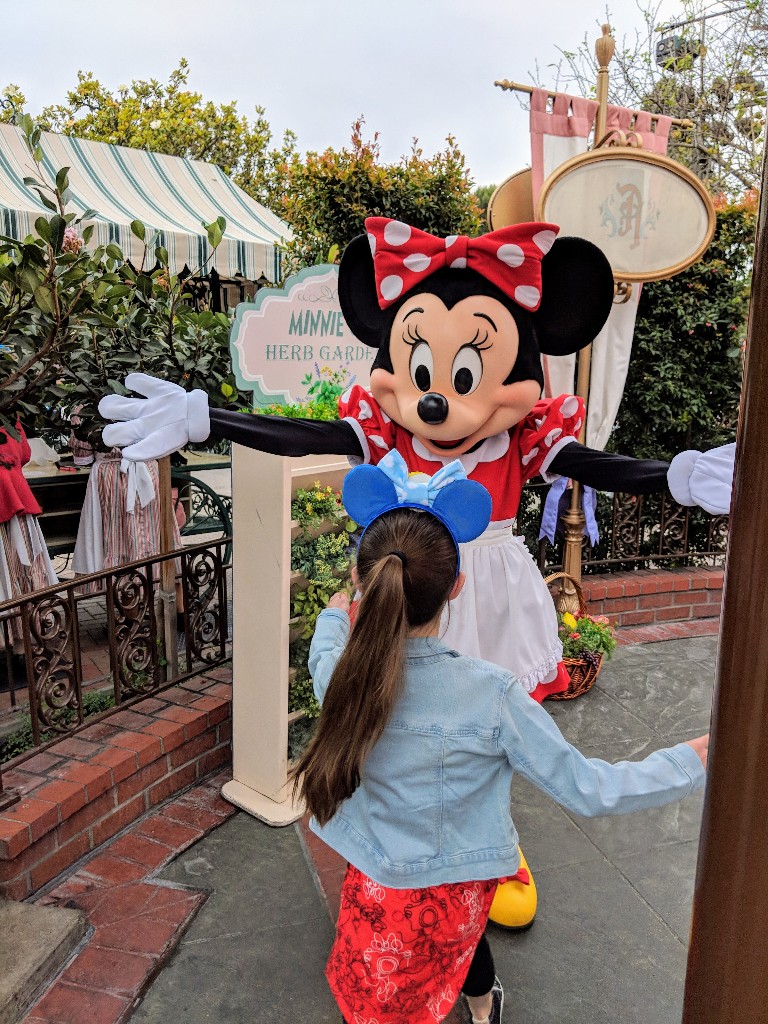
(288, 333)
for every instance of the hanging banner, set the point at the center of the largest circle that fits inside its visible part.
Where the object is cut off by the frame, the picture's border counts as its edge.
(558, 135)
(287, 334)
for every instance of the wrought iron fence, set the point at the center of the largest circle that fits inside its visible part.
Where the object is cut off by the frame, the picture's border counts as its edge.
(50, 623)
(636, 531)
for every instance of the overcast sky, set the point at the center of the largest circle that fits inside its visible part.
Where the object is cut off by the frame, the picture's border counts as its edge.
(421, 68)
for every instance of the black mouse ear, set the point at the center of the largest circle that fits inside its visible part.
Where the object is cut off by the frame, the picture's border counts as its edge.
(577, 294)
(357, 293)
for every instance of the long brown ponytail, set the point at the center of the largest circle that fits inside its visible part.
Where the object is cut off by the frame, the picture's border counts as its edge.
(399, 592)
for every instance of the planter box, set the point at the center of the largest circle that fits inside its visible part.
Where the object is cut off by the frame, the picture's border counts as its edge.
(262, 488)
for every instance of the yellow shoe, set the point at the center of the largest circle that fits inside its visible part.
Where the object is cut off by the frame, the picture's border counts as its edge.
(514, 905)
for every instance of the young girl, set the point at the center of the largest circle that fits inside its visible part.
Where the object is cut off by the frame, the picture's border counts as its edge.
(408, 776)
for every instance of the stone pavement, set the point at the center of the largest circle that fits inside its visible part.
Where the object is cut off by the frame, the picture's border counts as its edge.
(609, 941)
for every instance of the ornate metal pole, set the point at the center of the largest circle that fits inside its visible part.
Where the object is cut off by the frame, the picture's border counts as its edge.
(168, 568)
(727, 980)
(573, 520)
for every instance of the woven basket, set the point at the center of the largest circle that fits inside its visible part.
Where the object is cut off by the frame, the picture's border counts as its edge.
(582, 672)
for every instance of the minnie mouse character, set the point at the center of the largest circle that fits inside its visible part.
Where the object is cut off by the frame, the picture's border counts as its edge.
(459, 325)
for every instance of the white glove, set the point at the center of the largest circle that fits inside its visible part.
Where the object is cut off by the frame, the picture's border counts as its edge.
(703, 478)
(154, 426)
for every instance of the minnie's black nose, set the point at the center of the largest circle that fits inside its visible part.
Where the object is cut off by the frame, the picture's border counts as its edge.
(433, 408)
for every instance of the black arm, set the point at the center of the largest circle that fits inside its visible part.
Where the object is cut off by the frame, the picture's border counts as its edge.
(279, 435)
(607, 472)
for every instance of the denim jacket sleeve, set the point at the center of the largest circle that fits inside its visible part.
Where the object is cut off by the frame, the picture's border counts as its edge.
(589, 786)
(331, 632)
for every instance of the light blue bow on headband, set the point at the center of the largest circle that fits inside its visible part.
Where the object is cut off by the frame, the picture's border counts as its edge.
(462, 506)
(418, 487)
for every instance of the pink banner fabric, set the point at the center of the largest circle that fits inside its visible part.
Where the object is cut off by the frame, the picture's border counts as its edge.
(570, 122)
(654, 128)
(557, 134)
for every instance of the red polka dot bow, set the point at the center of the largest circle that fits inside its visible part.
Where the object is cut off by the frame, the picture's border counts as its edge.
(510, 258)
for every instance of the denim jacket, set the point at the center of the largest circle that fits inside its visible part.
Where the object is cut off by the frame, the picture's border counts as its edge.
(433, 804)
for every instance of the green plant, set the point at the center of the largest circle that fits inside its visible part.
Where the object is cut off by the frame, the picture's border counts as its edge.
(330, 194)
(321, 560)
(156, 330)
(21, 739)
(324, 561)
(684, 375)
(311, 505)
(73, 323)
(322, 399)
(171, 118)
(308, 603)
(586, 637)
(301, 696)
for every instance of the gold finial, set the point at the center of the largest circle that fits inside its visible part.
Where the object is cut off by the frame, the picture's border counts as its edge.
(605, 47)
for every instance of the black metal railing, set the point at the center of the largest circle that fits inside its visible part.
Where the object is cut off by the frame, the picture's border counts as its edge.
(51, 623)
(636, 531)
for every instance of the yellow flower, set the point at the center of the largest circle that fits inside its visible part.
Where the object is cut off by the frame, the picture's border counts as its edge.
(310, 509)
(569, 621)
(319, 495)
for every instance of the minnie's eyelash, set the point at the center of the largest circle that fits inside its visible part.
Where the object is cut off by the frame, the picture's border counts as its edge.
(479, 343)
(412, 336)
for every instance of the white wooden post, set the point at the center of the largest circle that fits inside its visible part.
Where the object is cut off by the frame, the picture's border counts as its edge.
(262, 487)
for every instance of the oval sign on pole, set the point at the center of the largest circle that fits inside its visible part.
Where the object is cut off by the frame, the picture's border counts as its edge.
(651, 216)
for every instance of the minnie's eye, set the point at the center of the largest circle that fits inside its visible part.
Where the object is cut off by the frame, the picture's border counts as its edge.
(422, 366)
(467, 370)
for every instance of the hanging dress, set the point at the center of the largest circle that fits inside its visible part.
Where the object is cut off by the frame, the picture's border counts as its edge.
(25, 565)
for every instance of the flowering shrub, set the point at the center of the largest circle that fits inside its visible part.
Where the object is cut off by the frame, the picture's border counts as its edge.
(586, 637)
(322, 399)
(311, 505)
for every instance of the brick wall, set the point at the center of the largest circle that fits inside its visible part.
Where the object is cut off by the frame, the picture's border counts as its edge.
(86, 789)
(650, 597)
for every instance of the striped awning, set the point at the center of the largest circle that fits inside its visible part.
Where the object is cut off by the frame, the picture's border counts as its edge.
(167, 193)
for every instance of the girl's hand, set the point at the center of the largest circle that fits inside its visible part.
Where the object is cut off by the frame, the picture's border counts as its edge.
(701, 746)
(340, 600)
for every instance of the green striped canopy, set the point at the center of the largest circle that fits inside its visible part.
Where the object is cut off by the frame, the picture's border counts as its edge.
(167, 193)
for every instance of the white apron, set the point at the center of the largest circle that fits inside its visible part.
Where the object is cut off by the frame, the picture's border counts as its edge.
(505, 613)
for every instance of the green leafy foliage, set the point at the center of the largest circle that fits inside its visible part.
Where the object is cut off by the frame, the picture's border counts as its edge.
(331, 193)
(324, 197)
(172, 118)
(74, 323)
(324, 561)
(301, 696)
(322, 398)
(684, 379)
(155, 330)
(483, 195)
(309, 602)
(20, 740)
(311, 505)
(584, 635)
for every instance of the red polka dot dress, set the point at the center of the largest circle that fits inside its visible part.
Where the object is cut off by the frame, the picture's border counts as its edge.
(505, 613)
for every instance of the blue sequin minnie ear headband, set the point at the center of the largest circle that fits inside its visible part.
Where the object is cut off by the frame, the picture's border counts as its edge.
(462, 506)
